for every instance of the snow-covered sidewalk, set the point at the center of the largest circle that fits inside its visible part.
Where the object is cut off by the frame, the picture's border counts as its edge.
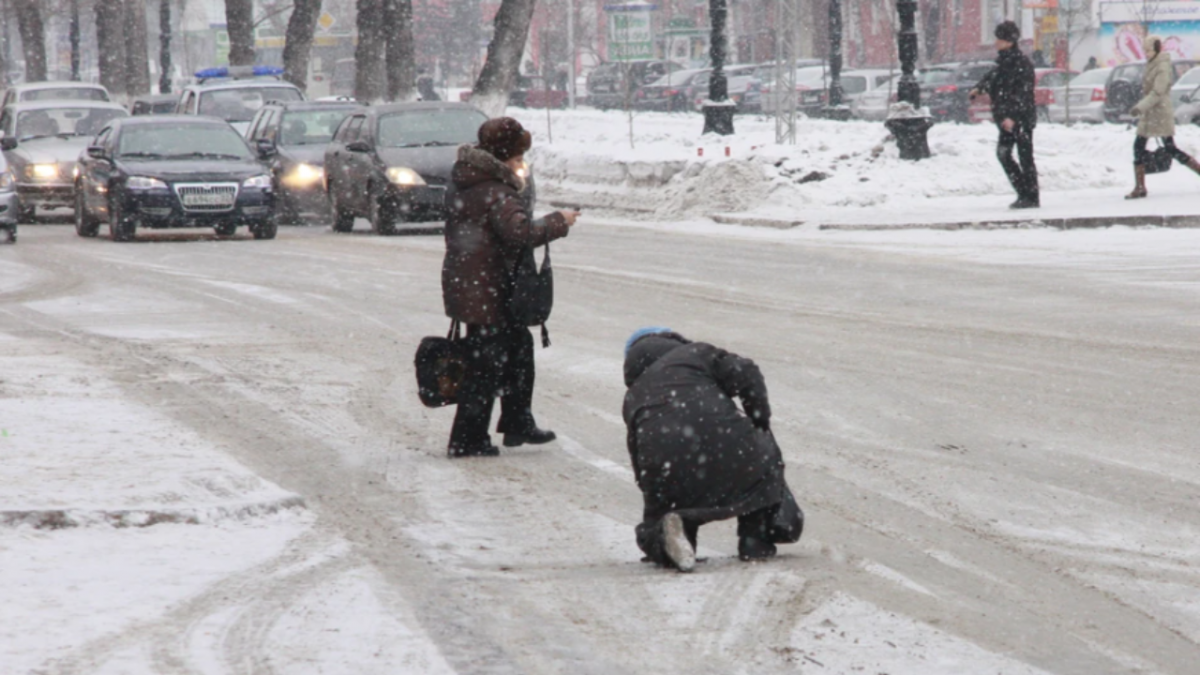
(845, 174)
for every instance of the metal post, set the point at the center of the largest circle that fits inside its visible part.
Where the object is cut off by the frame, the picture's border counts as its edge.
(718, 109)
(787, 47)
(835, 53)
(571, 55)
(907, 121)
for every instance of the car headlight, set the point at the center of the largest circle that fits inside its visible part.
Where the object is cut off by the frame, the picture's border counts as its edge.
(404, 176)
(304, 175)
(262, 182)
(524, 170)
(42, 171)
(144, 183)
(6, 181)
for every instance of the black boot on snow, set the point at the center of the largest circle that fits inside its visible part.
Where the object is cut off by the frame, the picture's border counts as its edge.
(753, 548)
(534, 436)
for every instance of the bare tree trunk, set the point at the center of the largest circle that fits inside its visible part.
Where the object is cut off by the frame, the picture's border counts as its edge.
(164, 47)
(298, 41)
(73, 38)
(33, 38)
(504, 54)
(368, 55)
(239, 23)
(137, 49)
(401, 60)
(110, 40)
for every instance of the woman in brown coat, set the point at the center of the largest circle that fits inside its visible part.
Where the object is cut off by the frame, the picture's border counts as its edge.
(1156, 116)
(488, 230)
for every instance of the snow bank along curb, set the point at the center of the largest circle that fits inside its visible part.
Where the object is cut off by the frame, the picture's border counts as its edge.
(58, 519)
(1083, 222)
(842, 173)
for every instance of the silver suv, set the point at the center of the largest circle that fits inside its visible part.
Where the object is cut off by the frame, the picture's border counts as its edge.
(234, 95)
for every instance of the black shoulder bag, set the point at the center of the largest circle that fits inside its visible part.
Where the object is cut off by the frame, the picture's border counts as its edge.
(441, 364)
(532, 295)
(1159, 160)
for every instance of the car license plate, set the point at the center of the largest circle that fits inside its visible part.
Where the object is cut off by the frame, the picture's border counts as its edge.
(208, 199)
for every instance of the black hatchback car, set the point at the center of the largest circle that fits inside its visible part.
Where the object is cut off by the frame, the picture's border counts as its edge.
(161, 171)
(392, 162)
(292, 136)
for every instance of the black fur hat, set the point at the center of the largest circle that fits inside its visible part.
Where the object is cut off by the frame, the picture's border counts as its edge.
(1008, 31)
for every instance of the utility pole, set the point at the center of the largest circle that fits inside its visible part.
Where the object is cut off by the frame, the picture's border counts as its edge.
(718, 109)
(571, 54)
(909, 123)
(73, 38)
(787, 48)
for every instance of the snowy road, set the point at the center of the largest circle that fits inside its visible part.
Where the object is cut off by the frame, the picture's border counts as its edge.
(994, 436)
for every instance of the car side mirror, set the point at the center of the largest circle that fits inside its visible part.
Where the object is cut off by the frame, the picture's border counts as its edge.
(359, 146)
(1186, 98)
(8, 143)
(266, 148)
(96, 152)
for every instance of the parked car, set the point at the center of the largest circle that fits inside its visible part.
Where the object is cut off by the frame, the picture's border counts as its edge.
(855, 83)
(610, 84)
(875, 104)
(674, 92)
(1186, 84)
(739, 79)
(8, 202)
(157, 104)
(946, 88)
(1188, 110)
(292, 138)
(1085, 93)
(533, 91)
(1124, 87)
(234, 95)
(1045, 81)
(808, 78)
(54, 91)
(41, 142)
(392, 163)
(166, 171)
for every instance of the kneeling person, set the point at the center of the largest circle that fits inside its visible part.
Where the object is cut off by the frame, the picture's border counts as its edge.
(696, 457)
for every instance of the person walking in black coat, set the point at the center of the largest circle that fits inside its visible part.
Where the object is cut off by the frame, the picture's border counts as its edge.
(489, 229)
(1011, 87)
(697, 458)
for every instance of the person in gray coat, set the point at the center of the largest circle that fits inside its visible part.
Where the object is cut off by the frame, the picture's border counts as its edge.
(1156, 115)
(697, 458)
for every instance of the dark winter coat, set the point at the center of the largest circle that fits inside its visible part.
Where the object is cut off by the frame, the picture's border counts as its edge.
(1010, 85)
(693, 451)
(488, 230)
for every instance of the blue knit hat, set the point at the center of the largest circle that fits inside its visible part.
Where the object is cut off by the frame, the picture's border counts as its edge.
(643, 332)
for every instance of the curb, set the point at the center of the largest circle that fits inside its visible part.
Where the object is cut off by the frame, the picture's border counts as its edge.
(1086, 222)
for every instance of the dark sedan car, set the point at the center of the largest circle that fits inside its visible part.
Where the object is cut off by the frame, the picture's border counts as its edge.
(946, 88)
(392, 162)
(162, 171)
(292, 137)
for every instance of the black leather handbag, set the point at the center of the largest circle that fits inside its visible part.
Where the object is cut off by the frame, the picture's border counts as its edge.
(441, 365)
(532, 295)
(1159, 160)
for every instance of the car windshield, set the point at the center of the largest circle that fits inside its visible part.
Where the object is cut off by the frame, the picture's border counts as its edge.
(427, 128)
(239, 104)
(311, 127)
(936, 76)
(172, 141)
(65, 94)
(64, 121)
(1091, 77)
(1190, 78)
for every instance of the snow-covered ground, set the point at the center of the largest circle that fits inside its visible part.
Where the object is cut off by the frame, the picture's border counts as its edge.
(213, 460)
(839, 172)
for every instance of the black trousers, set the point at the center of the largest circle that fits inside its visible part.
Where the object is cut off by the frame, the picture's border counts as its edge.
(500, 363)
(1023, 176)
(781, 523)
(1140, 156)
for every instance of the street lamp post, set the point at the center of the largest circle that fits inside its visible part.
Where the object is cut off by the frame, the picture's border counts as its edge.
(718, 109)
(833, 100)
(909, 123)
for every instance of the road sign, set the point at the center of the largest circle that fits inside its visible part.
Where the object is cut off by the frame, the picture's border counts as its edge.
(326, 21)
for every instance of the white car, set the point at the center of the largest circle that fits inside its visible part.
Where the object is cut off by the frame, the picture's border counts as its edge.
(1184, 86)
(1087, 94)
(1188, 109)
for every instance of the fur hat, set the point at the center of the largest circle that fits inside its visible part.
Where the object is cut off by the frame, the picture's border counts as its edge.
(504, 138)
(1008, 31)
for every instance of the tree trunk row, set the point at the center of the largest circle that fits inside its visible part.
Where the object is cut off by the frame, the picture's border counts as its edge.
(385, 58)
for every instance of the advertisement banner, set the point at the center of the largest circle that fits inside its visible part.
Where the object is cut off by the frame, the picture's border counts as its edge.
(1122, 42)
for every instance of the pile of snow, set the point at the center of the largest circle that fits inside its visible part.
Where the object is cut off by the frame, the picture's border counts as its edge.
(833, 166)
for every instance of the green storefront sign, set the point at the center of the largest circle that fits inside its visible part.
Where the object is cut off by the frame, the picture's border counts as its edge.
(630, 33)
